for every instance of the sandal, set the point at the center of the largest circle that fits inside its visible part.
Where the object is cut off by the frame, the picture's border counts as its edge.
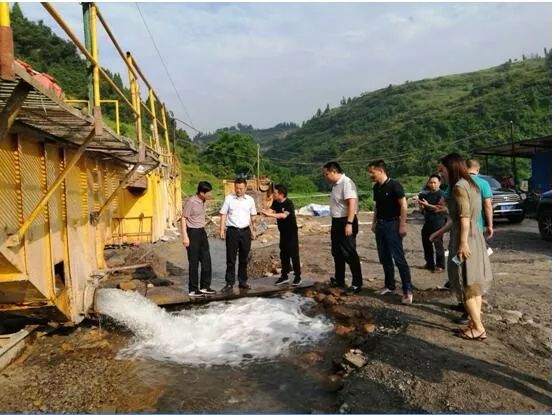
(464, 335)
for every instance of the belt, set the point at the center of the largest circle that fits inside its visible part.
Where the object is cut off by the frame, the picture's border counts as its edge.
(241, 229)
(387, 220)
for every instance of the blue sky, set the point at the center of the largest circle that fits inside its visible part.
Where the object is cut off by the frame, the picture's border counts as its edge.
(264, 63)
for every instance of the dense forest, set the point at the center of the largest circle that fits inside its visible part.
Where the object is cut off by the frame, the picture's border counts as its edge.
(410, 125)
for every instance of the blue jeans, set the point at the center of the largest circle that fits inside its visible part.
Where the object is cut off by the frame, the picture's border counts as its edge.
(390, 249)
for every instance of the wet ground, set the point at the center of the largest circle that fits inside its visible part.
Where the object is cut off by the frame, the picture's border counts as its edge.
(415, 362)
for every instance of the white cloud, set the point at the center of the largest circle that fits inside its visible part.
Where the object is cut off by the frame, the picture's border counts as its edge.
(263, 63)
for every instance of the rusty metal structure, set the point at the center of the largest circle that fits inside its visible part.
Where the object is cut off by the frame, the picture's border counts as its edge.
(70, 185)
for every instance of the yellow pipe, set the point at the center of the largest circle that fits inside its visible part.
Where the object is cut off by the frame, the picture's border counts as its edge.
(16, 239)
(5, 14)
(153, 110)
(166, 134)
(94, 50)
(85, 52)
(133, 88)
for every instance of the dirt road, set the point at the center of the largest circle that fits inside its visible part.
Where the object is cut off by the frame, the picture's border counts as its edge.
(415, 362)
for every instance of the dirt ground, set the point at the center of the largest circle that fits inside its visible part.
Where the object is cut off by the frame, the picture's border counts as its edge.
(415, 362)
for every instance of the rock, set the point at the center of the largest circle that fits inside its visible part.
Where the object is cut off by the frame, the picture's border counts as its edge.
(309, 293)
(268, 275)
(332, 383)
(336, 291)
(344, 408)
(344, 313)
(369, 328)
(127, 286)
(511, 316)
(67, 347)
(495, 317)
(342, 330)
(515, 313)
(330, 300)
(321, 297)
(313, 357)
(355, 358)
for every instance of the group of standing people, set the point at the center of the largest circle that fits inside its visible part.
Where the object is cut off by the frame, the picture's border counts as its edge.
(462, 209)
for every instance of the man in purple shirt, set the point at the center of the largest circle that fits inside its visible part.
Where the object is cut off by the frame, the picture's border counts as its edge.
(196, 241)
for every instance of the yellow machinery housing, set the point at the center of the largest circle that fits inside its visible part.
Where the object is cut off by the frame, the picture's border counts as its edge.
(69, 186)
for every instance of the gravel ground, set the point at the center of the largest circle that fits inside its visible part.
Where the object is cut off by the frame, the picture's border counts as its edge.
(414, 361)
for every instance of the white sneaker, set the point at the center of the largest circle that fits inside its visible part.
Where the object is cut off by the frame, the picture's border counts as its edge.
(386, 291)
(407, 299)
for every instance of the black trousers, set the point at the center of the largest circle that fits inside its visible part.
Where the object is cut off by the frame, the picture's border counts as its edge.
(198, 251)
(237, 241)
(427, 230)
(289, 252)
(344, 250)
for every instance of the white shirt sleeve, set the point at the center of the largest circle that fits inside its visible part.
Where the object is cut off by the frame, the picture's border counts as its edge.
(253, 207)
(349, 190)
(225, 206)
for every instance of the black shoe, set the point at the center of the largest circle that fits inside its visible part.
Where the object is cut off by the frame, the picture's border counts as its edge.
(208, 291)
(297, 281)
(447, 285)
(458, 307)
(335, 284)
(352, 290)
(282, 280)
(463, 319)
(245, 287)
(227, 288)
(195, 294)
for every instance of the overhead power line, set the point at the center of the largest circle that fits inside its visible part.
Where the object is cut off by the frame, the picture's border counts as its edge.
(166, 69)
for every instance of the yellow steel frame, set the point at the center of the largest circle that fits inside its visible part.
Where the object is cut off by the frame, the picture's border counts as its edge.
(18, 236)
(5, 14)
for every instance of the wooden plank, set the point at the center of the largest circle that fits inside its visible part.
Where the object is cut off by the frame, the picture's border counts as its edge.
(12, 107)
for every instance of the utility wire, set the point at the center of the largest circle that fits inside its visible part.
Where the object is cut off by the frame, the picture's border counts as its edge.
(166, 68)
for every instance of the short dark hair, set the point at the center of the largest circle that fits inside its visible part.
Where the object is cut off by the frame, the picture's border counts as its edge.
(437, 176)
(377, 164)
(204, 187)
(240, 180)
(333, 166)
(280, 188)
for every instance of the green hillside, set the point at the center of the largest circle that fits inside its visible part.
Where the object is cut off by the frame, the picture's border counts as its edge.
(266, 137)
(412, 125)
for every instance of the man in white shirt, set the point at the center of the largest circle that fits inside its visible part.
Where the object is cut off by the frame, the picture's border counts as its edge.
(344, 227)
(237, 227)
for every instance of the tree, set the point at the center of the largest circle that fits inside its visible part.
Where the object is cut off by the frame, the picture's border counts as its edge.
(343, 101)
(318, 113)
(230, 155)
(327, 109)
(302, 184)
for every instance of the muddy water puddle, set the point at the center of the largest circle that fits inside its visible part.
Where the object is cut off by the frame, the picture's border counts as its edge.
(246, 355)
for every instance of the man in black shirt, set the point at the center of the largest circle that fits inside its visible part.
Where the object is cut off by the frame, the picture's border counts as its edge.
(283, 210)
(389, 225)
(432, 203)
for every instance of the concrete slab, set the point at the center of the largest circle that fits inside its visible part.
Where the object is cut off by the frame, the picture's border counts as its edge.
(259, 288)
(11, 345)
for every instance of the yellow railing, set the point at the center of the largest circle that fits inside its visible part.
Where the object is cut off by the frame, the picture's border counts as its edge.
(102, 101)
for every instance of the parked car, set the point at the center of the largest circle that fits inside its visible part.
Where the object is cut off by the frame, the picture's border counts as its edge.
(544, 216)
(507, 203)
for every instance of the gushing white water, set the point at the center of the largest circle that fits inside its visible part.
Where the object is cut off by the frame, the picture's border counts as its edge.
(220, 333)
